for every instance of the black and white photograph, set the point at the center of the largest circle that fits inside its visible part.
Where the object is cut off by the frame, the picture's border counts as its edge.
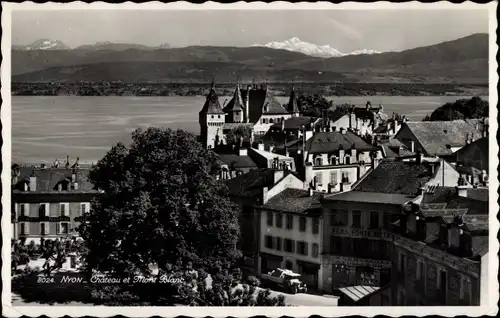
(297, 159)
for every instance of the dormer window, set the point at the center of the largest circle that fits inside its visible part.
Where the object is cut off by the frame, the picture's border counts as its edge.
(347, 160)
(319, 161)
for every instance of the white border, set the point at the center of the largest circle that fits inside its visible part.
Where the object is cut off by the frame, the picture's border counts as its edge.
(100, 311)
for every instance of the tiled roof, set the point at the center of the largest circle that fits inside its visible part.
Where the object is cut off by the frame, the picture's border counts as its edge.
(325, 142)
(250, 184)
(295, 201)
(479, 160)
(371, 197)
(212, 105)
(269, 155)
(394, 148)
(449, 199)
(236, 103)
(237, 161)
(401, 177)
(480, 194)
(258, 99)
(296, 123)
(47, 180)
(437, 136)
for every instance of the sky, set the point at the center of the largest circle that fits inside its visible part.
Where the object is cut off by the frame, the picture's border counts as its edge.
(345, 30)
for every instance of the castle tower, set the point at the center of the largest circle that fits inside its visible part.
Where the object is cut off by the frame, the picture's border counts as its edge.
(235, 109)
(211, 119)
(293, 105)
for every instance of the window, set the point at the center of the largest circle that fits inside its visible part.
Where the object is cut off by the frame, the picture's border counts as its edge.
(289, 222)
(319, 161)
(270, 218)
(83, 208)
(374, 224)
(465, 289)
(315, 226)
(24, 209)
(42, 210)
(333, 177)
(24, 228)
(302, 248)
(269, 241)
(442, 281)
(271, 120)
(44, 228)
(347, 160)
(302, 224)
(63, 208)
(315, 252)
(63, 228)
(339, 218)
(336, 245)
(319, 178)
(278, 243)
(420, 270)
(356, 219)
(402, 263)
(212, 116)
(279, 220)
(289, 246)
(218, 116)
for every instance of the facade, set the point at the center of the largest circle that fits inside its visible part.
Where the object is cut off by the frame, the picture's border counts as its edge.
(211, 119)
(357, 247)
(290, 236)
(50, 202)
(253, 189)
(441, 245)
(334, 160)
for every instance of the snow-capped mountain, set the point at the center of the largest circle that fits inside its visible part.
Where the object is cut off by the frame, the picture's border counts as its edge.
(296, 45)
(46, 44)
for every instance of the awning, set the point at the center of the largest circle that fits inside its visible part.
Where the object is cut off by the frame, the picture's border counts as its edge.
(358, 292)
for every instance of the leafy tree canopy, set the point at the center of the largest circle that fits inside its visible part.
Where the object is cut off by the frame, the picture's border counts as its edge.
(314, 105)
(461, 109)
(242, 132)
(161, 206)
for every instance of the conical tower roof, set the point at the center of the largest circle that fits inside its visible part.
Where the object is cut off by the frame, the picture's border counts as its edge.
(212, 105)
(236, 103)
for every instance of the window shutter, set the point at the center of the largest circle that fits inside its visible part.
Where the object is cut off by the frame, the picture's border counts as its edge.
(58, 228)
(26, 228)
(47, 230)
(306, 245)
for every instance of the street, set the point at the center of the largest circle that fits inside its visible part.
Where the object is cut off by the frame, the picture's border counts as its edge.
(302, 299)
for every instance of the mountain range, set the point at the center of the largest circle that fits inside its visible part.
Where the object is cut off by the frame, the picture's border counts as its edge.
(296, 45)
(464, 60)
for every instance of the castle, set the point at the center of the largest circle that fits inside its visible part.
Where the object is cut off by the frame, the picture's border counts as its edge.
(253, 108)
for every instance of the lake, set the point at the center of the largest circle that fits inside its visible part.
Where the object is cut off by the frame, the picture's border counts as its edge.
(46, 127)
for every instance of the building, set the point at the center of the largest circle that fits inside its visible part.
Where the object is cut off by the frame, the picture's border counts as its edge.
(439, 138)
(334, 160)
(474, 155)
(290, 236)
(389, 128)
(357, 249)
(252, 189)
(394, 149)
(440, 250)
(50, 202)
(254, 107)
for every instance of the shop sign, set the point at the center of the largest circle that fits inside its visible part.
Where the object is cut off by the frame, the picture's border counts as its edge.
(354, 232)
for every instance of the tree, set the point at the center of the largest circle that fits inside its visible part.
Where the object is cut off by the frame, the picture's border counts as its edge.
(241, 132)
(460, 109)
(314, 105)
(162, 206)
(19, 254)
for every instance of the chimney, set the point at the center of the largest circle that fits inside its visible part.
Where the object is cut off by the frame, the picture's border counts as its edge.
(345, 186)
(341, 156)
(420, 157)
(412, 146)
(242, 152)
(260, 146)
(67, 165)
(75, 186)
(469, 178)
(375, 161)
(421, 229)
(461, 191)
(283, 124)
(484, 177)
(311, 192)
(265, 191)
(309, 174)
(33, 181)
(353, 154)
(247, 105)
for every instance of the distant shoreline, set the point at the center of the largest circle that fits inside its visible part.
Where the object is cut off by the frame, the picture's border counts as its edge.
(227, 89)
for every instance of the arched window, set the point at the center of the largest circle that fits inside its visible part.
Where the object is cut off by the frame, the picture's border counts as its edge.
(271, 120)
(318, 161)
